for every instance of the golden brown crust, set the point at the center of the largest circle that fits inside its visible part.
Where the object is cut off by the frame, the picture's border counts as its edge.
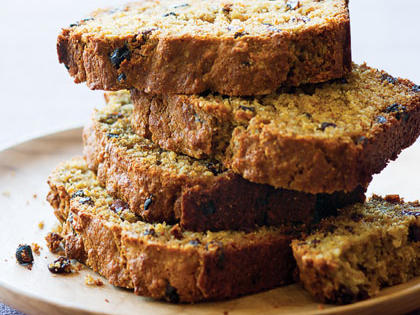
(189, 64)
(130, 258)
(198, 200)
(273, 147)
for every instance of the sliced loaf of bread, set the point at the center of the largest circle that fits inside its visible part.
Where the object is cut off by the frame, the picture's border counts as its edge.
(233, 47)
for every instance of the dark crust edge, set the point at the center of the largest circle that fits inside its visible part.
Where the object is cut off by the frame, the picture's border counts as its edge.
(224, 66)
(222, 202)
(130, 261)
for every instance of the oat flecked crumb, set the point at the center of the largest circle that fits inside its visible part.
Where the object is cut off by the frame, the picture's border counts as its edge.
(54, 242)
(89, 280)
(36, 249)
(41, 225)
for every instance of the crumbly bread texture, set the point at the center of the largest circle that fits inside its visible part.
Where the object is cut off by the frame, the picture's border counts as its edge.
(316, 138)
(368, 246)
(201, 195)
(232, 47)
(159, 260)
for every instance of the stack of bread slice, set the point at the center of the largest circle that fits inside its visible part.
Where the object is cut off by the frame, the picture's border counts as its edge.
(232, 131)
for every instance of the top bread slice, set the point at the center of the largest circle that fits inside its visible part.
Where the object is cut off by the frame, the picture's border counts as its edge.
(316, 138)
(231, 47)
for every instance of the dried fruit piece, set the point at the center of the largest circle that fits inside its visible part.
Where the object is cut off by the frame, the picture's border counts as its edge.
(399, 110)
(121, 77)
(239, 34)
(169, 14)
(414, 233)
(79, 193)
(119, 55)
(194, 242)
(381, 120)
(112, 135)
(148, 202)
(305, 19)
(215, 168)
(150, 231)
(86, 201)
(171, 294)
(24, 255)
(414, 213)
(252, 109)
(184, 5)
(60, 265)
(388, 78)
(325, 125)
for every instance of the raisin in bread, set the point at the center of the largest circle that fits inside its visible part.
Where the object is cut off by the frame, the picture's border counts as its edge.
(368, 246)
(315, 138)
(232, 47)
(159, 260)
(201, 195)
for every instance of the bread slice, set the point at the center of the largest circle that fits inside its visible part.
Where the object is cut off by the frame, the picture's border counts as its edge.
(232, 47)
(368, 246)
(201, 195)
(316, 138)
(159, 260)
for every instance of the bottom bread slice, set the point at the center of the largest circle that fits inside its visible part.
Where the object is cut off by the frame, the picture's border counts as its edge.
(159, 260)
(368, 246)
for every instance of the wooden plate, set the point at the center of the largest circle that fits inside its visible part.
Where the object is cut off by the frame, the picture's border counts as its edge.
(23, 172)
